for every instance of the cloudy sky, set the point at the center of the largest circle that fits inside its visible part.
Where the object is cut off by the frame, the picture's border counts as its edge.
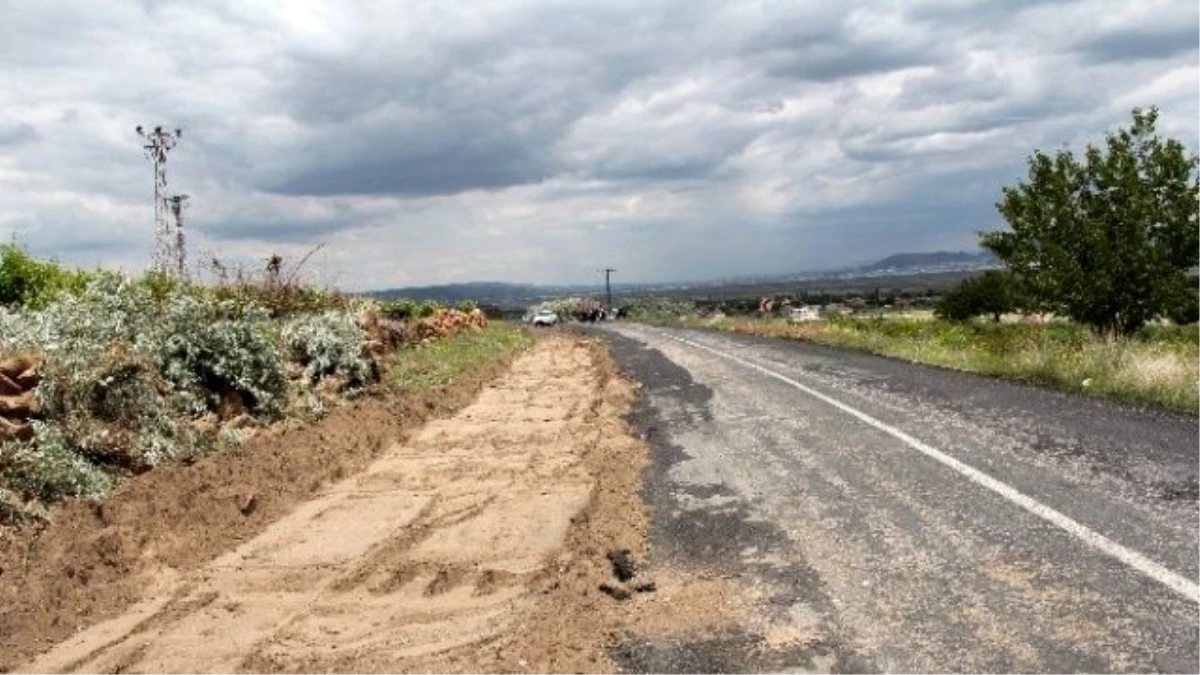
(530, 140)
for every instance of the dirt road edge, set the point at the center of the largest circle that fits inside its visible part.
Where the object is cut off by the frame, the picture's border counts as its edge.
(94, 560)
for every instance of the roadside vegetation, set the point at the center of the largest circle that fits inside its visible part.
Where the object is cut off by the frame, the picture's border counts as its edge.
(103, 375)
(1158, 366)
(1099, 267)
(413, 371)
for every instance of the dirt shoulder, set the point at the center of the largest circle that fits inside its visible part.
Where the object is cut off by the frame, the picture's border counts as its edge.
(477, 543)
(93, 561)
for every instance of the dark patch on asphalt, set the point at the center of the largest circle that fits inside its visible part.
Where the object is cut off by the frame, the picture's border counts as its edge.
(707, 491)
(713, 540)
(730, 652)
(1187, 490)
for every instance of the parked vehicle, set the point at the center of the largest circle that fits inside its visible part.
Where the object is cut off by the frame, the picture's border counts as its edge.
(545, 318)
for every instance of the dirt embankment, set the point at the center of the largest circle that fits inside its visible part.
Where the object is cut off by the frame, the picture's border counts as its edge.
(92, 561)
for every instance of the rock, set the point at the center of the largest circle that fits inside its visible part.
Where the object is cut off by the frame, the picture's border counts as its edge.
(393, 333)
(14, 366)
(11, 430)
(28, 379)
(8, 387)
(249, 505)
(22, 406)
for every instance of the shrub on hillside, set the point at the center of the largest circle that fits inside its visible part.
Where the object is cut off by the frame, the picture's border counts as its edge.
(281, 301)
(127, 366)
(328, 344)
(398, 310)
(50, 470)
(219, 353)
(427, 309)
(199, 346)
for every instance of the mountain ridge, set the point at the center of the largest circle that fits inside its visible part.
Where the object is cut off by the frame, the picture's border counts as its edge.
(503, 292)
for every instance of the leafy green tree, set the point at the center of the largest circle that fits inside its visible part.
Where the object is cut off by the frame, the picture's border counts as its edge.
(1107, 241)
(1186, 311)
(990, 293)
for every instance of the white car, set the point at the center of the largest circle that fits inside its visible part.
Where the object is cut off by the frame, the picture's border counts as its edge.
(545, 319)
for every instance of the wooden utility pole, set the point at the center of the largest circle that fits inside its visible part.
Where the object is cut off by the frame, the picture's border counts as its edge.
(608, 287)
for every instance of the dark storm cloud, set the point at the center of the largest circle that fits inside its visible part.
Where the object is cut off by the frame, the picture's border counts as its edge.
(828, 59)
(478, 111)
(436, 141)
(391, 133)
(829, 47)
(403, 165)
(1138, 43)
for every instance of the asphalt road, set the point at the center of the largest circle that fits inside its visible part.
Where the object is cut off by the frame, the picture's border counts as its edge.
(913, 519)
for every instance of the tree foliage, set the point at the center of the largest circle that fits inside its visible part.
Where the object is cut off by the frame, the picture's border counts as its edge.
(26, 281)
(991, 293)
(1109, 239)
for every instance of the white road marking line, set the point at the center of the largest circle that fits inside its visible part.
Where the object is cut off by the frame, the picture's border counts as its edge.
(1176, 582)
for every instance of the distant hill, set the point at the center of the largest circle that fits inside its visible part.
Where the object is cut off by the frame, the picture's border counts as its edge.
(496, 293)
(510, 295)
(935, 260)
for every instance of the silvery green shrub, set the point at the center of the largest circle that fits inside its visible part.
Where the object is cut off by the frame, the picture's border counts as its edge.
(328, 344)
(50, 469)
(133, 361)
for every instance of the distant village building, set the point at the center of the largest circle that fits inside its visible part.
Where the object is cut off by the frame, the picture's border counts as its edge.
(804, 313)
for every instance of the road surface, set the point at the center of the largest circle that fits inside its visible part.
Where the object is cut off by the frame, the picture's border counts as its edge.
(909, 518)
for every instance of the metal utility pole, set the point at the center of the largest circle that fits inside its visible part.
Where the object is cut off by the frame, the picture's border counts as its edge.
(178, 252)
(608, 287)
(159, 143)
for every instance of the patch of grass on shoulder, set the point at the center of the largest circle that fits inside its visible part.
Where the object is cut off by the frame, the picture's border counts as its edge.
(438, 363)
(1160, 366)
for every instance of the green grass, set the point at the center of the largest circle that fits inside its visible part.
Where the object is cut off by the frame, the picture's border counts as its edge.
(439, 363)
(1159, 367)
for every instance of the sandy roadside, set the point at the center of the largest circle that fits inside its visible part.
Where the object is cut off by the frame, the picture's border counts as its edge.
(436, 557)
